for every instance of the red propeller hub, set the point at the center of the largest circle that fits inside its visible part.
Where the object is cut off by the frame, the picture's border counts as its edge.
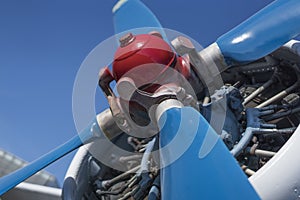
(141, 54)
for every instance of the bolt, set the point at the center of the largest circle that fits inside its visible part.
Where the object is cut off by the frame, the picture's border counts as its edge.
(126, 39)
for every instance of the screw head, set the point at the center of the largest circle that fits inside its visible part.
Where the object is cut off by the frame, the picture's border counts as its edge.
(126, 39)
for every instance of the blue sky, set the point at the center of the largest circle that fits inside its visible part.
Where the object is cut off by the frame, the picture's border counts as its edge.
(43, 43)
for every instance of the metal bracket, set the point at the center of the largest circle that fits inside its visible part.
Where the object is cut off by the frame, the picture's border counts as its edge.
(205, 67)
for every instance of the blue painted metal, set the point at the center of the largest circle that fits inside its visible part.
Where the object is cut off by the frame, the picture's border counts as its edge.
(133, 14)
(11, 180)
(216, 176)
(263, 33)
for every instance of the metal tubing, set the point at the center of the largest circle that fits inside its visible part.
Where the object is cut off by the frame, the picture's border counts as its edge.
(128, 158)
(248, 171)
(287, 130)
(274, 130)
(260, 152)
(146, 156)
(109, 183)
(283, 114)
(271, 107)
(206, 100)
(247, 136)
(258, 91)
(264, 153)
(278, 96)
(266, 112)
(267, 125)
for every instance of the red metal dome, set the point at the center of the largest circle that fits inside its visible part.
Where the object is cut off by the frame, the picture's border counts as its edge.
(145, 51)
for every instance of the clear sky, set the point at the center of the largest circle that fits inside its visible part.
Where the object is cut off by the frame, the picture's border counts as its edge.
(43, 43)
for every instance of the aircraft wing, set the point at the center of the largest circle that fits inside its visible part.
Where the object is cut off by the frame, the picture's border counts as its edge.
(42, 185)
(26, 191)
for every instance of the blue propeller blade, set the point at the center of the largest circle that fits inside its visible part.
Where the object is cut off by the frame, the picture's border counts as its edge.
(133, 14)
(215, 176)
(11, 180)
(263, 33)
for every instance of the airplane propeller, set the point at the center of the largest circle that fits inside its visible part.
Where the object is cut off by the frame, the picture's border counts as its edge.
(255, 38)
(260, 35)
(134, 16)
(11, 180)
